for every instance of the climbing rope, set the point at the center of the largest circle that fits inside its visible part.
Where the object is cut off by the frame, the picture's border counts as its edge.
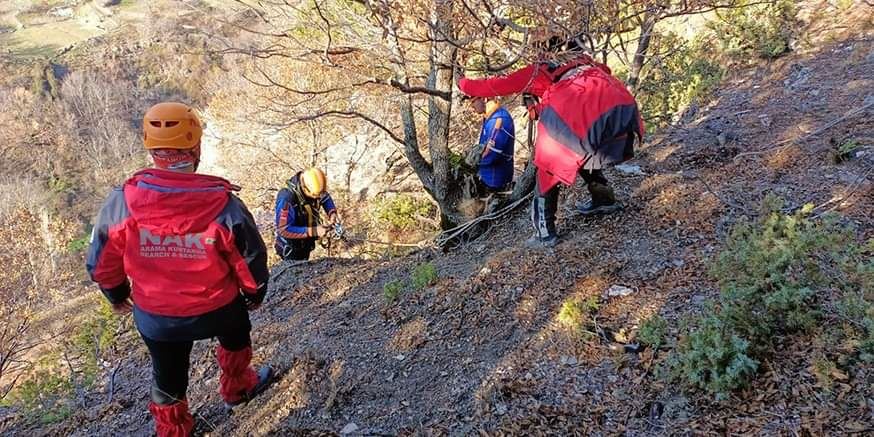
(450, 234)
(339, 234)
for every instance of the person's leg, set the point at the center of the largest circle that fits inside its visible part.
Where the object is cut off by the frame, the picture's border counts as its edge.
(597, 176)
(234, 355)
(296, 250)
(543, 210)
(603, 200)
(302, 250)
(169, 406)
(239, 382)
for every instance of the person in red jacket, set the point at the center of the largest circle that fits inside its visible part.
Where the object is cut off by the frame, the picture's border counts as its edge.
(587, 120)
(183, 253)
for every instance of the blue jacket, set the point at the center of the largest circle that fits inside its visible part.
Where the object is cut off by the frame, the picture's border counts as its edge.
(297, 215)
(496, 167)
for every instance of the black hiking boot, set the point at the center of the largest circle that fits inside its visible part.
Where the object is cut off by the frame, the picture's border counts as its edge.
(603, 201)
(590, 208)
(265, 378)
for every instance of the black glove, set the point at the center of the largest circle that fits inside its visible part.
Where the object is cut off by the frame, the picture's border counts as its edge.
(253, 300)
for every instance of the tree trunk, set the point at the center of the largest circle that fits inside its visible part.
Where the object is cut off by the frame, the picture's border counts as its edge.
(525, 183)
(411, 147)
(443, 57)
(420, 166)
(646, 30)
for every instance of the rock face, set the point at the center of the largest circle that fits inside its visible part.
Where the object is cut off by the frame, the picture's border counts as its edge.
(367, 164)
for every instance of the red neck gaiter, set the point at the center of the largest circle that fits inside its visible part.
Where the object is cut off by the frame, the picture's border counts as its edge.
(176, 159)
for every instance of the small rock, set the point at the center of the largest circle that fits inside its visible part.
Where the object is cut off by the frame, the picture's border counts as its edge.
(678, 263)
(618, 291)
(349, 428)
(400, 357)
(444, 373)
(405, 403)
(485, 271)
(629, 169)
(569, 360)
(500, 409)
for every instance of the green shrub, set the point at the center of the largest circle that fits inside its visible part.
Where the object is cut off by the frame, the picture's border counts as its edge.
(402, 212)
(46, 395)
(571, 315)
(761, 29)
(652, 331)
(392, 289)
(845, 150)
(574, 312)
(859, 312)
(92, 339)
(423, 276)
(79, 245)
(58, 185)
(768, 270)
(777, 277)
(674, 81)
(713, 358)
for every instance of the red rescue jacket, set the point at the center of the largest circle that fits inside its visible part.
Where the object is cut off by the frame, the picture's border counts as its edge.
(588, 119)
(187, 244)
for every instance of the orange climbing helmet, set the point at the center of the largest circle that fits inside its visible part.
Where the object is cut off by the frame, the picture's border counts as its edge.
(171, 125)
(313, 183)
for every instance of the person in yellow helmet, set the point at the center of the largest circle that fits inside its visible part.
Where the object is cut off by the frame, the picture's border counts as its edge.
(298, 221)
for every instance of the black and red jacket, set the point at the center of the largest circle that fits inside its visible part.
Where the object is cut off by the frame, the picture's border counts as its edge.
(588, 119)
(180, 245)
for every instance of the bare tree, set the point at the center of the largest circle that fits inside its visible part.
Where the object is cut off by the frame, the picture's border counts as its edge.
(393, 63)
(100, 117)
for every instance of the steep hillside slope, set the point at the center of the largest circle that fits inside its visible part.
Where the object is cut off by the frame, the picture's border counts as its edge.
(481, 351)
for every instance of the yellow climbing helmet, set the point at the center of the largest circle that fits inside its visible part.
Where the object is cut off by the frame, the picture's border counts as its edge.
(313, 183)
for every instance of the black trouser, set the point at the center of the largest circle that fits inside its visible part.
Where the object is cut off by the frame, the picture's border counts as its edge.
(544, 206)
(170, 361)
(296, 250)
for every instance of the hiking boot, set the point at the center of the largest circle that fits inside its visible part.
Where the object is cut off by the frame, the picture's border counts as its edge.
(265, 378)
(535, 242)
(590, 208)
(603, 200)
